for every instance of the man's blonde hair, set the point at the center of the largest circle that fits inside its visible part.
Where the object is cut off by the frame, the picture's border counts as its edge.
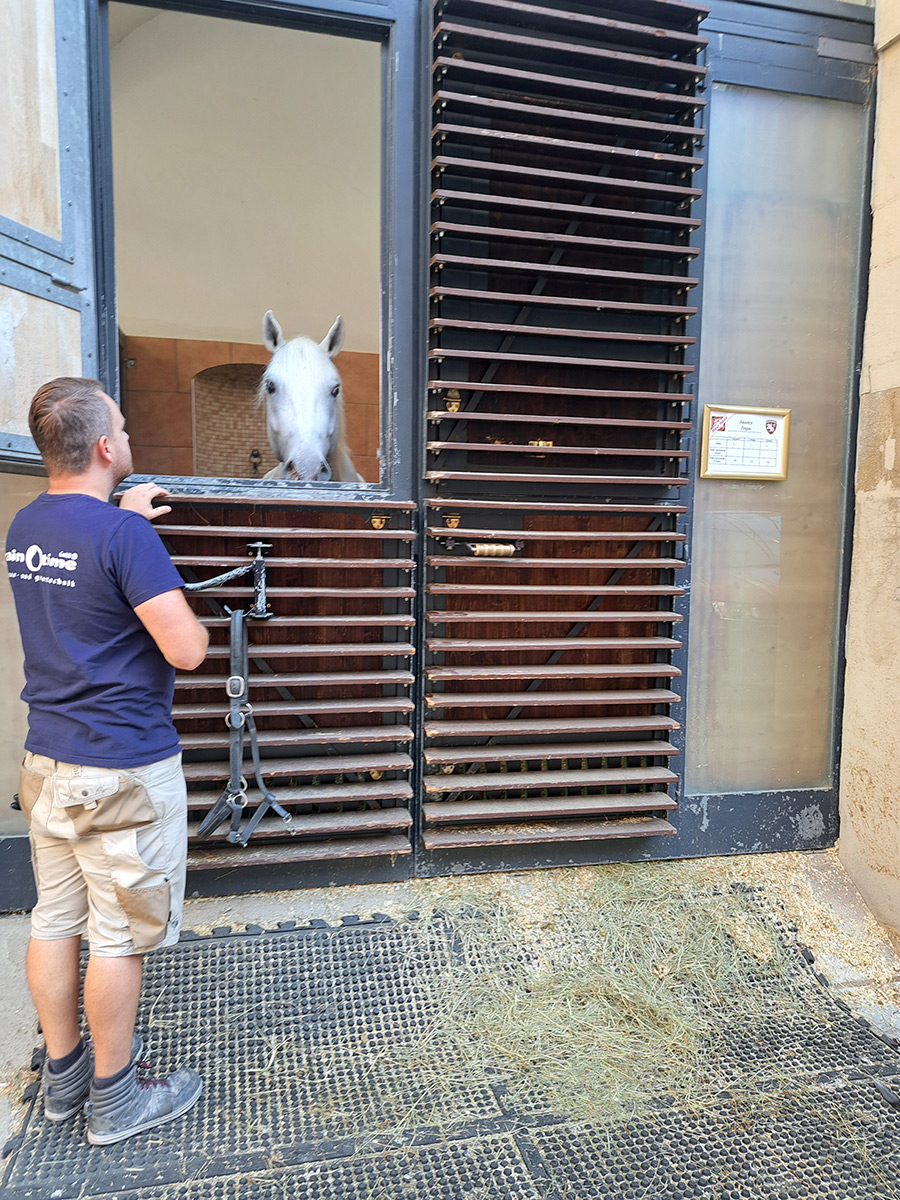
(66, 418)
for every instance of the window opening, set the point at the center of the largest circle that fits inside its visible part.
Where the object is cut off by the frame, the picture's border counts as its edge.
(247, 172)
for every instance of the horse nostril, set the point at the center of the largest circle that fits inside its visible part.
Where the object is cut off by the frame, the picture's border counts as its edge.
(324, 474)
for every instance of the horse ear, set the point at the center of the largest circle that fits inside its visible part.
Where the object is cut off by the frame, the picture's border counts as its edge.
(271, 331)
(334, 338)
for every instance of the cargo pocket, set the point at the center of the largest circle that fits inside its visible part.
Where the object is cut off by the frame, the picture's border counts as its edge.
(103, 802)
(30, 787)
(146, 910)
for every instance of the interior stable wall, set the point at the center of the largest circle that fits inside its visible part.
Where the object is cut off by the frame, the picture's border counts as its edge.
(870, 772)
(178, 427)
(247, 163)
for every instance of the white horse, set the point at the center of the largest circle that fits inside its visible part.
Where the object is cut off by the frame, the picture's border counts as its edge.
(301, 390)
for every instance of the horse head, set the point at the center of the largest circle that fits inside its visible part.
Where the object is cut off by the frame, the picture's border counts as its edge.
(301, 390)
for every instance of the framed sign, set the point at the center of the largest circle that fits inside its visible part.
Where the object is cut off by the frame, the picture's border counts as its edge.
(744, 443)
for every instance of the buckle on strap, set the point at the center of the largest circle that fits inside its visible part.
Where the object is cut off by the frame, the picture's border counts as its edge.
(235, 687)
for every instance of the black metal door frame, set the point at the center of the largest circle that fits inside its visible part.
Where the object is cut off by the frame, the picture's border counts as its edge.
(806, 42)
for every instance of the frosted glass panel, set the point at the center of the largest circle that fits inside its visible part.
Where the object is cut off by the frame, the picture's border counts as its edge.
(780, 299)
(29, 137)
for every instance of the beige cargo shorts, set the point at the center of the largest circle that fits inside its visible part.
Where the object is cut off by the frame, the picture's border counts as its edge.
(108, 850)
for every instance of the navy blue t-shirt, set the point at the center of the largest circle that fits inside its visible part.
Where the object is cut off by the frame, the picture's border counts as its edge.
(98, 689)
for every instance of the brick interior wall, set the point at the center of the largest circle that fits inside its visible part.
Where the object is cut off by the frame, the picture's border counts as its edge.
(160, 407)
(228, 423)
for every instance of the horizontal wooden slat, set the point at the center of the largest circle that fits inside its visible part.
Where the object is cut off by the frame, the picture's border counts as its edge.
(275, 533)
(549, 726)
(487, 810)
(514, 645)
(196, 712)
(511, 781)
(289, 679)
(319, 824)
(545, 699)
(576, 303)
(554, 536)
(328, 620)
(561, 209)
(549, 752)
(672, 192)
(577, 507)
(263, 650)
(338, 735)
(541, 145)
(472, 561)
(283, 768)
(282, 499)
(561, 270)
(585, 335)
(573, 480)
(565, 589)
(224, 563)
(450, 616)
(564, 831)
(550, 451)
(325, 793)
(294, 851)
(464, 812)
(292, 592)
(555, 671)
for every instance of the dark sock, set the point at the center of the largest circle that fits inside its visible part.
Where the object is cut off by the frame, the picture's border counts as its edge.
(108, 1080)
(56, 1066)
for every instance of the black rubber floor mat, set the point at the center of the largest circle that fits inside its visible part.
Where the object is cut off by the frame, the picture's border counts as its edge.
(312, 1044)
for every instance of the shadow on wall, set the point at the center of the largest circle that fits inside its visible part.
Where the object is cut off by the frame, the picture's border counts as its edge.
(191, 408)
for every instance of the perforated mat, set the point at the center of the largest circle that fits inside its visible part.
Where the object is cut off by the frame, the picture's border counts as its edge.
(312, 1043)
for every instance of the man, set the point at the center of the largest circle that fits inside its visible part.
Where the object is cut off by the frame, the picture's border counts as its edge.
(104, 624)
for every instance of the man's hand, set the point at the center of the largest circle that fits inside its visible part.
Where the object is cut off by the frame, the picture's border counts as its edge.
(140, 499)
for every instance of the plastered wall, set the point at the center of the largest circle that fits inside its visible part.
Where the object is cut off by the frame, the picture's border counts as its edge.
(870, 770)
(246, 163)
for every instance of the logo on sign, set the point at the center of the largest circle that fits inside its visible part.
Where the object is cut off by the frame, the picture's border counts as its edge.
(718, 424)
(771, 426)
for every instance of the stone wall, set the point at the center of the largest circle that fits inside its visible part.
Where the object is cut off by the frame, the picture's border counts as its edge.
(870, 765)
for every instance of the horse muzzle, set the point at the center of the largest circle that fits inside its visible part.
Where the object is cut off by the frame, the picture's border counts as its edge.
(322, 475)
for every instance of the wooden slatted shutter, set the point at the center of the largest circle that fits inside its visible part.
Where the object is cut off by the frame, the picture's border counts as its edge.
(330, 676)
(565, 139)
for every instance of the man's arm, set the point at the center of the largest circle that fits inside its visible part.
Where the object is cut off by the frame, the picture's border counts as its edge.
(172, 625)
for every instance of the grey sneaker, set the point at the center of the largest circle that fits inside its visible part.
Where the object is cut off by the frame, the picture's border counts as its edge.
(133, 1105)
(66, 1092)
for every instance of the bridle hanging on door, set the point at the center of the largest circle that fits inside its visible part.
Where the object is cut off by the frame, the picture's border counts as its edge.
(234, 800)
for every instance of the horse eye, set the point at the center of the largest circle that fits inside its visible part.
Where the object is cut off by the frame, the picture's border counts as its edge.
(336, 390)
(270, 386)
